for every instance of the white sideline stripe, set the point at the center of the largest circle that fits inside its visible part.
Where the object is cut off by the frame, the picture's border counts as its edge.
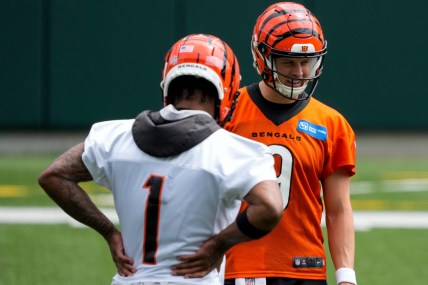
(363, 220)
(389, 186)
(44, 215)
(366, 220)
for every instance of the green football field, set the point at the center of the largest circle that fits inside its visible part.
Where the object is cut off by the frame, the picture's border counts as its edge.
(65, 254)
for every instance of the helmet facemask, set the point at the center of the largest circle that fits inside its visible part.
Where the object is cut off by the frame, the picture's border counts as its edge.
(271, 75)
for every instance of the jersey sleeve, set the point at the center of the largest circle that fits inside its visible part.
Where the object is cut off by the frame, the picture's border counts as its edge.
(342, 148)
(99, 146)
(248, 163)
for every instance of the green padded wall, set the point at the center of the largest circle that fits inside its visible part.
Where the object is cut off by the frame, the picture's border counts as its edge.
(21, 69)
(68, 64)
(106, 59)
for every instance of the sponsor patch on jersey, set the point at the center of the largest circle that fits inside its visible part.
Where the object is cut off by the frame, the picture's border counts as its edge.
(318, 132)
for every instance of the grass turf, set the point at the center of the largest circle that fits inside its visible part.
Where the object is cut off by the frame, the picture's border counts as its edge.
(52, 254)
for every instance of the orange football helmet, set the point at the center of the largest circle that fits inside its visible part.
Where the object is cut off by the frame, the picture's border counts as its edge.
(288, 29)
(208, 57)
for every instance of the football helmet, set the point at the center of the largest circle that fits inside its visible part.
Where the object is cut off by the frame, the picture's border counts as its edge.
(208, 57)
(287, 29)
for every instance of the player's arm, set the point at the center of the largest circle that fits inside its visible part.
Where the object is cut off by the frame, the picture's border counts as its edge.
(60, 181)
(262, 215)
(340, 223)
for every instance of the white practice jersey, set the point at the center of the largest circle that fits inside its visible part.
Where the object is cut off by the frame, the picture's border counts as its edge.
(168, 206)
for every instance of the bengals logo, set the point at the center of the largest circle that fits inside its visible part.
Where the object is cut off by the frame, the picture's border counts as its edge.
(305, 48)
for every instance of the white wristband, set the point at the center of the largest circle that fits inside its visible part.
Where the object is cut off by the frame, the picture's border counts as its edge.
(346, 275)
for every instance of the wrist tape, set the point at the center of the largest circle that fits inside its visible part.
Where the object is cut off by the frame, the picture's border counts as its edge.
(346, 275)
(247, 228)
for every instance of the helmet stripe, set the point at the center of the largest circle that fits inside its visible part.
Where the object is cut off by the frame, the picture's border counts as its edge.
(168, 55)
(233, 65)
(290, 33)
(279, 13)
(185, 40)
(225, 55)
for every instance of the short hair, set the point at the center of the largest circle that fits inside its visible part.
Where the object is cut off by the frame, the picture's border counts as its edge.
(191, 83)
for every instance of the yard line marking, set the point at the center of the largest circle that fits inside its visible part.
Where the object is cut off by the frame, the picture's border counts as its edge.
(363, 220)
(44, 215)
(389, 186)
(366, 220)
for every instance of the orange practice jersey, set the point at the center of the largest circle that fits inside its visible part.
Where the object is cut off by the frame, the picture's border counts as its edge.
(309, 141)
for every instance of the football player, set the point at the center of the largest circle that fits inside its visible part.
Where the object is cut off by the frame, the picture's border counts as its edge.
(175, 175)
(314, 151)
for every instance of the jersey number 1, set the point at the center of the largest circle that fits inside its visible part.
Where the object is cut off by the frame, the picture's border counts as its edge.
(155, 184)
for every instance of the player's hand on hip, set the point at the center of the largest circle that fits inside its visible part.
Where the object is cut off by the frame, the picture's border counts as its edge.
(200, 263)
(125, 265)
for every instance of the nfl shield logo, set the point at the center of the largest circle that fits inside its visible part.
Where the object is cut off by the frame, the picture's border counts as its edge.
(250, 281)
